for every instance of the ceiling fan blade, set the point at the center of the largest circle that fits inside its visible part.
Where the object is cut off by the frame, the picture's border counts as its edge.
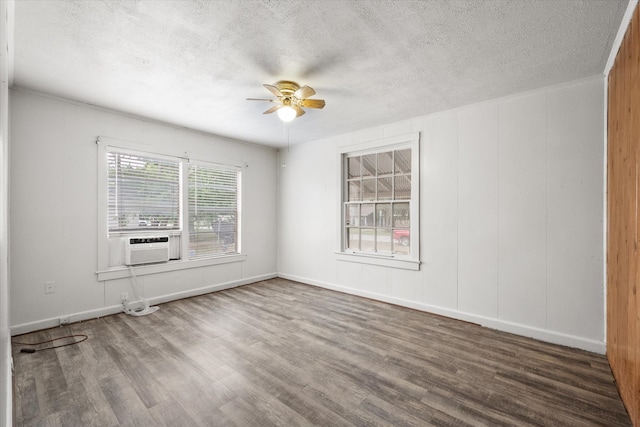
(312, 103)
(274, 90)
(299, 111)
(272, 109)
(261, 99)
(304, 92)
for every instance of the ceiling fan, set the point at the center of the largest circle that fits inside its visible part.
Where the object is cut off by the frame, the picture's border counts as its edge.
(291, 99)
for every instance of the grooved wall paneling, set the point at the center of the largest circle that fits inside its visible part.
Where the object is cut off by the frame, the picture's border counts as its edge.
(477, 230)
(623, 321)
(511, 215)
(522, 210)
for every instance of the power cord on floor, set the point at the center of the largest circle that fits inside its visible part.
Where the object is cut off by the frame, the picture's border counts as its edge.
(33, 350)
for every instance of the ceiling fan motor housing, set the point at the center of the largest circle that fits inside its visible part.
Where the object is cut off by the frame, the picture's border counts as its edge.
(287, 87)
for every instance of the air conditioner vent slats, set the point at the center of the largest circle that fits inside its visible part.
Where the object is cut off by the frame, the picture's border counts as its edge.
(146, 250)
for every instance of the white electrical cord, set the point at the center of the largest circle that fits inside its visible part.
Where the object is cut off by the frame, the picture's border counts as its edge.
(142, 308)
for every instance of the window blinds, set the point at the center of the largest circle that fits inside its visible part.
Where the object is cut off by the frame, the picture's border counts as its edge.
(213, 210)
(143, 192)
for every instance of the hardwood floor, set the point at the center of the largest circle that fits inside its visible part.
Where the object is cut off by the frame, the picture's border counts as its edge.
(283, 353)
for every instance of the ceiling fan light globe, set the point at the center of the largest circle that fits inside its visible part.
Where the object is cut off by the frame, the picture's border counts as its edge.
(286, 113)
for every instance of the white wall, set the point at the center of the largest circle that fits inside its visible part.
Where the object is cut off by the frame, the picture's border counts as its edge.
(6, 18)
(511, 215)
(54, 201)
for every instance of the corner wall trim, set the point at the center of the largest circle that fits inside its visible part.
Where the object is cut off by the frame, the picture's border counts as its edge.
(497, 324)
(115, 309)
(7, 411)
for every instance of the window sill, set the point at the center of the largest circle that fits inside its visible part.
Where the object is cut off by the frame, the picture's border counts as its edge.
(382, 261)
(122, 272)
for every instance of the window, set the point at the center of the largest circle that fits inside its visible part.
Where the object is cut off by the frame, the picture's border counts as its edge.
(380, 200)
(143, 192)
(196, 203)
(213, 211)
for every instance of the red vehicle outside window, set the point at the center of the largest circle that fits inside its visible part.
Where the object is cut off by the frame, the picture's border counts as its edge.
(401, 236)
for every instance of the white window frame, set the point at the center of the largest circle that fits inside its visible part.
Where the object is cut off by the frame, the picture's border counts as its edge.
(107, 272)
(410, 261)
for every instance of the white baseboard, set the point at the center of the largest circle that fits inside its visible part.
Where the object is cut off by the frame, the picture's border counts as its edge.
(501, 325)
(208, 289)
(7, 393)
(114, 309)
(489, 322)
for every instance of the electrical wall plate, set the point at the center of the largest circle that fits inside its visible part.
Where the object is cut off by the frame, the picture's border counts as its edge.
(49, 287)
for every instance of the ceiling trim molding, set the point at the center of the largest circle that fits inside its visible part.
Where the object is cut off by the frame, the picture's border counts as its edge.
(626, 20)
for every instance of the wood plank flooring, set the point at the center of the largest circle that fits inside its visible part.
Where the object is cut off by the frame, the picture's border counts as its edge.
(282, 353)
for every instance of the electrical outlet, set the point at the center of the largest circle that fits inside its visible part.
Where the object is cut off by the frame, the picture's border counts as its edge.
(64, 320)
(49, 287)
(124, 297)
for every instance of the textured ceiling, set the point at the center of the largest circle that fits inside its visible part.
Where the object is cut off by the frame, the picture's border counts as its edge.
(193, 63)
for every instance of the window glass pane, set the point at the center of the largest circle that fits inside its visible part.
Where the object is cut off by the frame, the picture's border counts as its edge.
(369, 165)
(369, 189)
(352, 215)
(368, 239)
(367, 214)
(354, 166)
(213, 211)
(353, 239)
(401, 241)
(383, 240)
(377, 201)
(401, 215)
(143, 193)
(384, 188)
(383, 215)
(355, 193)
(402, 161)
(402, 190)
(385, 163)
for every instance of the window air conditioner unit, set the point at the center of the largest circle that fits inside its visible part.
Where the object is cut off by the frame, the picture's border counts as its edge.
(146, 250)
